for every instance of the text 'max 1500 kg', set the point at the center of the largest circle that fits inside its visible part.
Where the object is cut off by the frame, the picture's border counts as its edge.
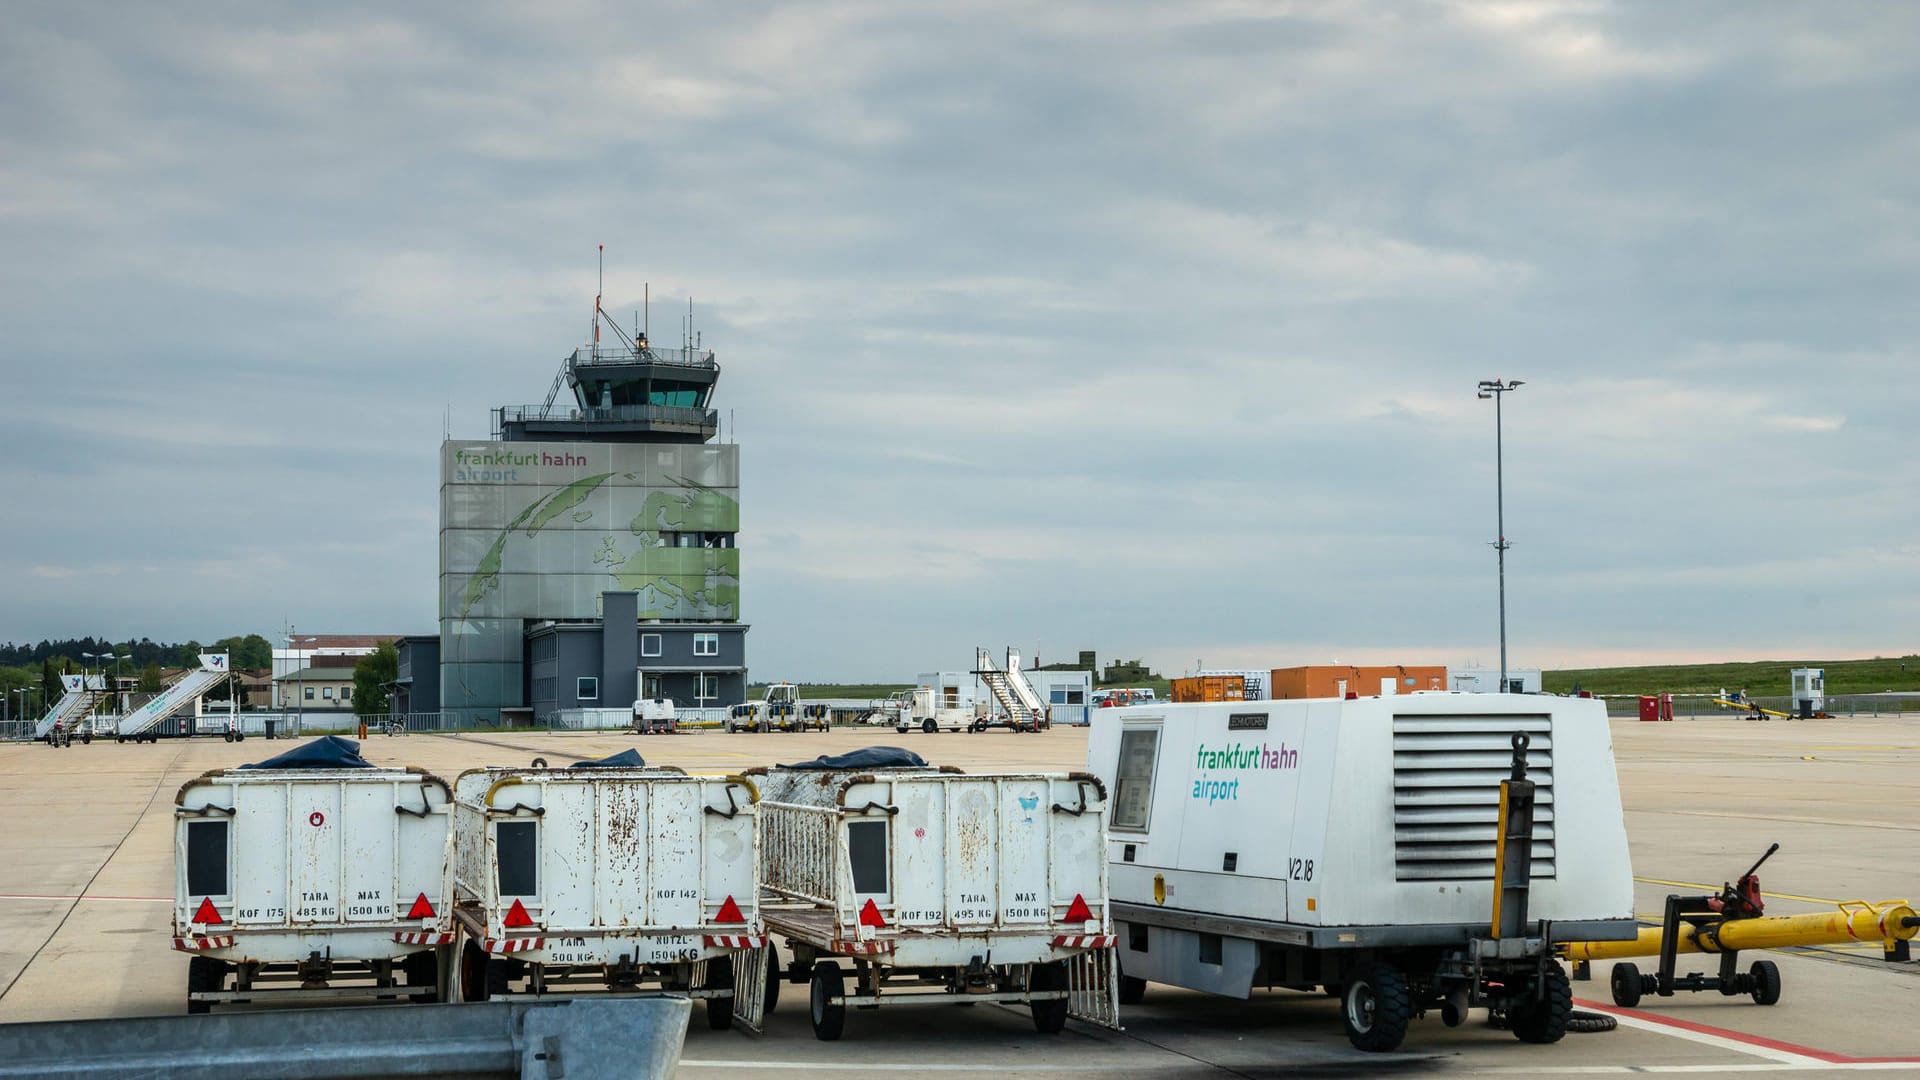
(938, 887)
(312, 883)
(1351, 845)
(609, 876)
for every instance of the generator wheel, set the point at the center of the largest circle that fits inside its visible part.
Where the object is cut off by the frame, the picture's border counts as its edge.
(1048, 1016)
(422, 969)
(1625, 981)
(1376, 1008)
(902, 729)
(929, 726)
(1766, 982)
(204, 975)
(1132, 990)
(719, 977)
(829, 1019)
(1544, 1019)
(775, 976)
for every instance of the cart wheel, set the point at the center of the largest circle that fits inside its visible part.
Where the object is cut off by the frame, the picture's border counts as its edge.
(1626, 985)
(1049, 1016)
(929, 726)
(902, 729)
(86, 738)
(1132, 991)
(1376, 1007)
(481, 976)
(1544, 1019)
(1766, 982)
(204, 975)
(775, 976)
(422, 969)
(828, 1018)
(228, 736)
(719, 977)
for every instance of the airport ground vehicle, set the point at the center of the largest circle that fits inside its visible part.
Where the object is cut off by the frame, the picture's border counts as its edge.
(1352, 845)
(609, 875)
(312, 875)
(654, 716)
(938, 887)
(779, 709)
(917, 711)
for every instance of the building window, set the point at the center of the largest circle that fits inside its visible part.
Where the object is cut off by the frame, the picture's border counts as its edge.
(587, 688)
(706, 644)
(1133, 787)
(327, 692)
(307, 692)
(706, 687)
(649, 644)
(346, 693)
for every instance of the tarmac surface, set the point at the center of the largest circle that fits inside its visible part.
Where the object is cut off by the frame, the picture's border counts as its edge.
(86, 873)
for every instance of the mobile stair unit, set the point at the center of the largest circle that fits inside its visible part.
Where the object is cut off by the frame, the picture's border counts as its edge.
(610, 876)
(938, 887)
(81, 694)
(312, 876)
(1405, 853)
(1010, 688)
(143, 723)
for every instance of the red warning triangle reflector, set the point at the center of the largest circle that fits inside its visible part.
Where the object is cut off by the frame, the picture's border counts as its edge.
(421, 909)
(208, 913)
(1078, 911)
(870, 916)
(517, 915)
(729, 912)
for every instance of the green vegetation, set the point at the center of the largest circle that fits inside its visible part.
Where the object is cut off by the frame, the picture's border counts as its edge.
(1760, 678)
(370, 678)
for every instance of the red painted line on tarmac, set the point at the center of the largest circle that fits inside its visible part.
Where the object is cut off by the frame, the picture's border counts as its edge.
(89, 896)
(1742, 1037)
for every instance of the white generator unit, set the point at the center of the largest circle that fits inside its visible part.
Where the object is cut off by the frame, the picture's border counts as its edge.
(918, 711)
(609, 876)
(938, 887)
(312, 883)
(1352, 845)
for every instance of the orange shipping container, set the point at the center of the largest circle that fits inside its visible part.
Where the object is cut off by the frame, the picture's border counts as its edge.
(1210, 688)
(1332, 681)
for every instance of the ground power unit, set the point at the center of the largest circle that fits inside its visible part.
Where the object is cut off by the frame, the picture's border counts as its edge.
(312, 883)
(928, 886)
(609, 877)
(1355, 845)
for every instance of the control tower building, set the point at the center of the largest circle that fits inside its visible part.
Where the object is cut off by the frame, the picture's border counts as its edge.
(587, 551)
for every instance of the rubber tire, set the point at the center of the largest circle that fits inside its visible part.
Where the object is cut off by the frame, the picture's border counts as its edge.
(1048, 1016)
(1376, 1008)
(228, 736)
(204, 974)
(828, 1020)
(1132, 991)
(929, 726)
(1545, 1021)
(1766, 982)
(903, 729)
(719, 977)
(481, 976)
(1626, 985)
(422, 969)
(775, 977)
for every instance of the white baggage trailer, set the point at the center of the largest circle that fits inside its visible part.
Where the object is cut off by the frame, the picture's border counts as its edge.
(312, 883)
(938, 886)
(1351, 845)
(609, 878)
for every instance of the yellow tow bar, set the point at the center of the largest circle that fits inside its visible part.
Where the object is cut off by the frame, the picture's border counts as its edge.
(1887, 922)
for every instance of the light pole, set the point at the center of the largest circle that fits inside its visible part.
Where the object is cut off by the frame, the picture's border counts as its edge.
(299, 689)
(1496, 389)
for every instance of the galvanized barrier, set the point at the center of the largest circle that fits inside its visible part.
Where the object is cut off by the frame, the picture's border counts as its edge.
(530, 1040)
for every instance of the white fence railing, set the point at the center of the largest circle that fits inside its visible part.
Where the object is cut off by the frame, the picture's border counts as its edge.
(797, 851)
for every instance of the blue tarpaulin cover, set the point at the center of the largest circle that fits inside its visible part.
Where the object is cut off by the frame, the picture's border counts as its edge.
(872, 757)
(327, 752)
(625, 759)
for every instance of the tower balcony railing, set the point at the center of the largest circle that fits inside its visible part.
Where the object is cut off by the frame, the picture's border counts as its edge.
(660, 416)
(590, 355)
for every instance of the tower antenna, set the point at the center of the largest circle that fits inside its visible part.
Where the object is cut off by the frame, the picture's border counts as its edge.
(599, 290)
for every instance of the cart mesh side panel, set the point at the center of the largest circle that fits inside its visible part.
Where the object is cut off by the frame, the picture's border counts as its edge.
(1446, 793)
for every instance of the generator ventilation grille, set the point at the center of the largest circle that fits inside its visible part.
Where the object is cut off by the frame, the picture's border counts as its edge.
(1446, 793)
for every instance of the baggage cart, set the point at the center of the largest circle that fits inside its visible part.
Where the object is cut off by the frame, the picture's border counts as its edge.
(305, 882)
(936, 887)
(617, 877)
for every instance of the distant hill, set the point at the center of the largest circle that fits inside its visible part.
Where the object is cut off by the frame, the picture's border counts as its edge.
(1761, 678)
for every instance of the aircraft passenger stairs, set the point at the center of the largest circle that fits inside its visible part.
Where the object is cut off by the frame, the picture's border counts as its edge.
(83, 693)
(185, 690)
(1011, 689)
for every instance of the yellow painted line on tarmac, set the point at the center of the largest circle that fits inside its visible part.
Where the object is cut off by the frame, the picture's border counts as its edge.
(1715, 889)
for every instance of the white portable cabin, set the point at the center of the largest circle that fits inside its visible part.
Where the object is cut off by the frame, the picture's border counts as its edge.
(992, 886)
(609, 878)
(285, 877)
(1281, 843)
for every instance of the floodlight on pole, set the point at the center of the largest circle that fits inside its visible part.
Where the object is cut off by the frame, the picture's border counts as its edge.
(1497, 389)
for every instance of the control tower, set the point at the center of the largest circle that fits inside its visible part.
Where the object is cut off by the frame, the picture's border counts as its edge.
(587, 552)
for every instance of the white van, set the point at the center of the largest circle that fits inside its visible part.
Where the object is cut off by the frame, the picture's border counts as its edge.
(609, 877)
(312, 883)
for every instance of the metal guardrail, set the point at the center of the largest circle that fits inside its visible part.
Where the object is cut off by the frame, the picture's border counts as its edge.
(579, 1039)
(660, 414)
(16, 729)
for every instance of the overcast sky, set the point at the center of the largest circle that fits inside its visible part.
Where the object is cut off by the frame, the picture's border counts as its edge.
(1151, 329)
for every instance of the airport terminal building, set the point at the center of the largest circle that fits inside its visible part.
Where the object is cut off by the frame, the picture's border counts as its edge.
(587, 551)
